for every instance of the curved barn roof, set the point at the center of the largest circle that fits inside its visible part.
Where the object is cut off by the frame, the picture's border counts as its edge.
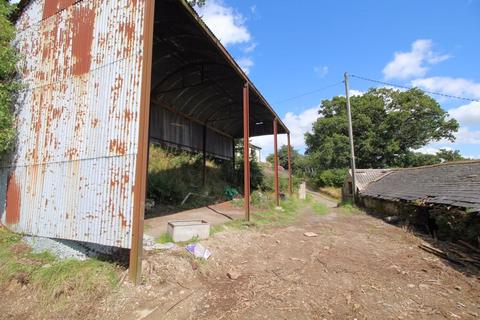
(194, 74)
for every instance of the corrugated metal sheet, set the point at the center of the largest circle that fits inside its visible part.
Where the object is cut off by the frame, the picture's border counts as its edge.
(174, 130)
(78, 116)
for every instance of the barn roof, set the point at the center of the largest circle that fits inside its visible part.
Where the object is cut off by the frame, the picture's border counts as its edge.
(365, 176)
(453, 183)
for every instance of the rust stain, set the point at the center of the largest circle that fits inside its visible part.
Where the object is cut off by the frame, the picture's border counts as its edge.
(71, 153)
(51, 7)
(13, 201)
(94, 123)
(83, 24)
(117, 147)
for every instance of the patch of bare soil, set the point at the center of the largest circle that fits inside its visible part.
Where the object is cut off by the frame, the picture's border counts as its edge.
(357, 267)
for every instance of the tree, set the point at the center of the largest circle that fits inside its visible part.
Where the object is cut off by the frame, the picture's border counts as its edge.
(8, 85)
(449, 155)
(283, 157)
(387, 125)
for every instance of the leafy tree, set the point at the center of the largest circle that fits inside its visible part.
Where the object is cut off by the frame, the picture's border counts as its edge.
(387, 125)
(199, 3)
(449, 155)
(283, 157)
(8, 85)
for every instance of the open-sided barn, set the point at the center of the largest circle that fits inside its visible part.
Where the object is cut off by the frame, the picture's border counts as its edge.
(100, 80)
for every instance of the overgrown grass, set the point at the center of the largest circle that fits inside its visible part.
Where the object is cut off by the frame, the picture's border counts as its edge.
(348, 207)
(51, 279)
(264, 212)
(164, 238)
(173, 174)
(320, 208)
(333, 192)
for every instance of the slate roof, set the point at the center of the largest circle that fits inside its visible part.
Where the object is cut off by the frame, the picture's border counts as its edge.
(454, 184)
(365, 176)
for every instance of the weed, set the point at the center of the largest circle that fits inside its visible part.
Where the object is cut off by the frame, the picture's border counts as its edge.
(164, 238)
(216, 229)
(320, 208)
(348, 207)
(55, 280)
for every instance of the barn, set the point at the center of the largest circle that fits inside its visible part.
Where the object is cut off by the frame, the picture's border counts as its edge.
(100, 80)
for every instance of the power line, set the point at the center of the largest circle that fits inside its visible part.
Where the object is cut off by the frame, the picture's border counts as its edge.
(310, 92)
(408, 88)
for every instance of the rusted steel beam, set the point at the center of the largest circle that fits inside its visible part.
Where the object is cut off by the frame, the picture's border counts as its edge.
(139, 190)
(290, 187)
(246, 153)
(275, 156)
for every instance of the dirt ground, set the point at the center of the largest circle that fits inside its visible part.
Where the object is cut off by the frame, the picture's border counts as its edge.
(358, 267)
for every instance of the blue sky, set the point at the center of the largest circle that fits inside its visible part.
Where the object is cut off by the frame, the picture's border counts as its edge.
(292, 47)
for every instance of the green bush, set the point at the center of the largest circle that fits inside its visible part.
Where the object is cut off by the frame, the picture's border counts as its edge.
(8, 85)
(257, 175)
(331, 178)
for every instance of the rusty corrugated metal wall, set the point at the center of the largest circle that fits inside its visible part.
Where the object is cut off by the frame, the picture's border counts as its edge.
(78, 121)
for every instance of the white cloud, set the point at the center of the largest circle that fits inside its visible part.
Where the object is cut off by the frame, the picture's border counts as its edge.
(245, 63)
(321, 71)
(227, 24)
(354, 93)
(298, 124)
(414, 63)
(467, 136)
(451, 86)
(250, 47)
(467, 114)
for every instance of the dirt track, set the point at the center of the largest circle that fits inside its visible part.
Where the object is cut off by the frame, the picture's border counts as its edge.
(358, 267)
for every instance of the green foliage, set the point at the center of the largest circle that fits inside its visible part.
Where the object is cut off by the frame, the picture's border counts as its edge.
(55, 280)
(164, 238)
(320, 208)
(256, 174)
(8, 85)
(387, 125)
(283, 157)
(331, 178)
(173, 174)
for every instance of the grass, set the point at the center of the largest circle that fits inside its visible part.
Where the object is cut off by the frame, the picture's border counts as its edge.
(265, 212)
(320, 208)
(332, 192)
(166, 238)
(347, 207)
(52, 280)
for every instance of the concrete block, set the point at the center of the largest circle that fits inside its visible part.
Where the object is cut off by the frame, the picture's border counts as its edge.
(185, 230)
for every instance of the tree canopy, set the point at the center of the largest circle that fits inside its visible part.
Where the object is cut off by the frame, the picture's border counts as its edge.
(283, 157)
(387, 125)
(8, 85)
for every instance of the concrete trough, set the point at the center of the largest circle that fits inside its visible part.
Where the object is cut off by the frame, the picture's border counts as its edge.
(184, 230)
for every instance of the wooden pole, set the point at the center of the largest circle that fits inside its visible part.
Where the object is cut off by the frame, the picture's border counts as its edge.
(290, 183)
(275, 162)
(350, 136)
(246, 153)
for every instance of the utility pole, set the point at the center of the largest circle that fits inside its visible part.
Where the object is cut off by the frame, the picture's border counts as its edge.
(350, 136)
